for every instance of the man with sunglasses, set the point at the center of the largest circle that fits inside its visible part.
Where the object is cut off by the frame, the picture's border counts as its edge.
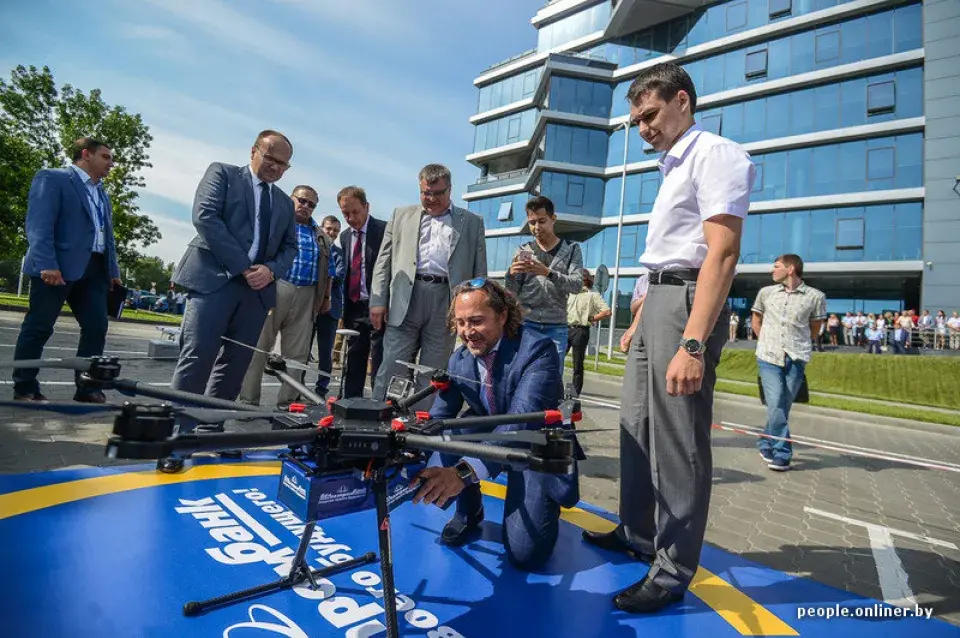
(245, 241)
(666, 411)
(427, 250)
(303, 293)
(501, 368)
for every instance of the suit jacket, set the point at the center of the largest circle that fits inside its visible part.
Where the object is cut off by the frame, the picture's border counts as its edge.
(374, 240)
(224, 216)
(322, 301)
(336, 282)
(60, 228)
(526, 378)
(397, 264)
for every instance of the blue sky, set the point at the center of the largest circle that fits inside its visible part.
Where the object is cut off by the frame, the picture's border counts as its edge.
(368, 90)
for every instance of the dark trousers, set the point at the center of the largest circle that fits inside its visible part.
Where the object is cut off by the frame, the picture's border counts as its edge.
(578, 338)
(326, 328)
(88, 300)
(369, 345)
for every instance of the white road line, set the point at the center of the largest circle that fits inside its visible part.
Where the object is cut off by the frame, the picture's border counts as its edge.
(895, 532)
(77, 334)
(105, 352)
(605, 404)
(248, 520)
(890, 572)
(266, 385)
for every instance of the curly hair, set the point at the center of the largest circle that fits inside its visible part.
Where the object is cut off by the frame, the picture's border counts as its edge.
(498, 298)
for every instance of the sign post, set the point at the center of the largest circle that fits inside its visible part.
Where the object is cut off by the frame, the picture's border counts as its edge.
(600, 284)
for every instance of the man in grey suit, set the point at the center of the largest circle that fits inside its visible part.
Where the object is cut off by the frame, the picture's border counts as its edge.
(427, 251)
(246, 240)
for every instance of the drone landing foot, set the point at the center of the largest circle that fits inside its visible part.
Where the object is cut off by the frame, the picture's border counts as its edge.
(300, 572)
(386, 555)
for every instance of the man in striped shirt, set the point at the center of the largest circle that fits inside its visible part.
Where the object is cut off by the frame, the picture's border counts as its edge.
(303, 293)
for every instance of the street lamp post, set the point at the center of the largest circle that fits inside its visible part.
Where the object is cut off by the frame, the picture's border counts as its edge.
(616, 263)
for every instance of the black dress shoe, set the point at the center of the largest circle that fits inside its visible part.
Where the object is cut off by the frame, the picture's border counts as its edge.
(645, 597)
(29, 396)
(461, 529)
(612, 542)
(90, 397)
(169, 465)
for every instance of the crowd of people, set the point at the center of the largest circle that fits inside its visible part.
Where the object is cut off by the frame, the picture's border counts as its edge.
(261, 267)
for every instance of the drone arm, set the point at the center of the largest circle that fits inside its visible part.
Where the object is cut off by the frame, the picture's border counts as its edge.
(519, 459)
(119, 447)
(303, 390)
(127, 386)
(422, 393)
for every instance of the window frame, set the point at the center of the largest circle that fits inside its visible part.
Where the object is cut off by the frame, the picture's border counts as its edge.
(893, 162)
(508, 215)
(816, 45)
(716, 115)
(756, 73)
(838, 245)
(780, 11)
(884, 108)
(746, 17)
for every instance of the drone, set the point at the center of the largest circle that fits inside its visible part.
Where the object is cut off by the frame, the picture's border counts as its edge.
(343, 455)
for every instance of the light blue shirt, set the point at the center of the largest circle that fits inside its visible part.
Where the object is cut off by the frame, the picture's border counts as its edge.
(98, 209)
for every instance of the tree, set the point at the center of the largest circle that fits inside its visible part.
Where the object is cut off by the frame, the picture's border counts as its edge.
(37, 124)
(147, 271)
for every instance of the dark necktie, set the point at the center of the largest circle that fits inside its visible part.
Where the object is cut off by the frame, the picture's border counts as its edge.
(491, 400)
(264, 226)
(356, 265)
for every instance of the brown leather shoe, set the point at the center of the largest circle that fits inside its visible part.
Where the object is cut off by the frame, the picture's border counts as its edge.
(90, 397)
(30, 396)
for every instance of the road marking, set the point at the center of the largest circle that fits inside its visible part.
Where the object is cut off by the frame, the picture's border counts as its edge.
(77, 334)
(105, 352)
(890, 572)
(605, 404)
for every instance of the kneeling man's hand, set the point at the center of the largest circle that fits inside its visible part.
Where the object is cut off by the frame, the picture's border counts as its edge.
(437, 485)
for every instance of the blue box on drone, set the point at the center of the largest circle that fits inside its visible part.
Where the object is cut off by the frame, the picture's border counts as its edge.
(316, 497)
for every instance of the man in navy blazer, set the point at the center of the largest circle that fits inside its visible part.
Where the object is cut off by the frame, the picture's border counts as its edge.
(72, 257)
(246, 240)
(501, 369)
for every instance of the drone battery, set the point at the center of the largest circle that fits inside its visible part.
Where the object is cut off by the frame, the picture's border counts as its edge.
(318, 496)
(292, 421)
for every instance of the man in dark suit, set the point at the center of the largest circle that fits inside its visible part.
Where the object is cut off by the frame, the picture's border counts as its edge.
(361, 244)
(72, 257)
(501, 368)
(325, 324)
(246, 240)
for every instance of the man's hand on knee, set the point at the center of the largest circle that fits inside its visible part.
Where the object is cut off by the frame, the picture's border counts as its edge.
(437, 485)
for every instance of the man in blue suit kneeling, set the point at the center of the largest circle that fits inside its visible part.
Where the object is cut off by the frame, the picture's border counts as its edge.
(71, 257)
(501, 368)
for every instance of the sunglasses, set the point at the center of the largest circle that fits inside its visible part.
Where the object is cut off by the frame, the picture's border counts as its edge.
(306, 202)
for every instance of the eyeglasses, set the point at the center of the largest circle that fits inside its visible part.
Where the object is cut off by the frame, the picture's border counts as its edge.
(306, 202)
(270, 159)
(434, 193)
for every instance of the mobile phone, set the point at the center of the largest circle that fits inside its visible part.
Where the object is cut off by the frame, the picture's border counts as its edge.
(525, 254)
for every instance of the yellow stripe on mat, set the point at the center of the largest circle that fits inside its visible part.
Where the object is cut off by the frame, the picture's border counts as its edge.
(37, 498)
(746, 615)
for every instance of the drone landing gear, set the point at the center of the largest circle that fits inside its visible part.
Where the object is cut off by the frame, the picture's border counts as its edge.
(386, 553)
(300, 572)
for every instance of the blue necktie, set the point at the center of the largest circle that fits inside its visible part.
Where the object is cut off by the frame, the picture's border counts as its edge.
(264, 222)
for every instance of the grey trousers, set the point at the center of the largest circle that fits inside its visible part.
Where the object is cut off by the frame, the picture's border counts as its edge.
(665, 459)
(209, 365)
(423, 332)
(292, 319)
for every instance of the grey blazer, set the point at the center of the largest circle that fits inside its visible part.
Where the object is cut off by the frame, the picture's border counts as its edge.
(396, 266)
(224, 216)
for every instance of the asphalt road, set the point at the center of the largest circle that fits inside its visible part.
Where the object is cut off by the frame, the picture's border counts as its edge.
(878, 528)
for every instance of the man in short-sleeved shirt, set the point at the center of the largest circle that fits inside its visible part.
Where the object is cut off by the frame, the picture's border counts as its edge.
(786, 315)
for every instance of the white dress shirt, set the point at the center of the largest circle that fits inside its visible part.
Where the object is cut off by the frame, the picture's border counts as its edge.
(436, 238)
(362, 238)
(255, 246)
(704, 175)
(96, 204)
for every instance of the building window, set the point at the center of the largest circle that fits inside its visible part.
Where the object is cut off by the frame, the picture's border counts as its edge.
(505, 213)
(736, 16)
(880, 163)
(780, 8)
(574, 193)
(850, 234)
(881, 97)
(712, 122)
(828, 46)
(756, 64)
(758, 180)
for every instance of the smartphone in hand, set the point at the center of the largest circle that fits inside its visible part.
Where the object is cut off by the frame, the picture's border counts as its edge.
(525, 254)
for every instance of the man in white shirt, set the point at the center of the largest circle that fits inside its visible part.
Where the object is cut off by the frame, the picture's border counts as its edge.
(693, 244)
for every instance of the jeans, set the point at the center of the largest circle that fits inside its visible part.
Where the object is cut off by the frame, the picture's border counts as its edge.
(578, 339)
(780, 387)
(556, 331)
(326, 331)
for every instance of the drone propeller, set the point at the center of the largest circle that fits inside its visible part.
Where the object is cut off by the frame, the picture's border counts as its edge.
(296, 365)
(202, 415)
(416, 367)
(534, 437)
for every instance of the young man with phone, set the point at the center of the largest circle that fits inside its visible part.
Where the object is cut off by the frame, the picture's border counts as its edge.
(544, 273)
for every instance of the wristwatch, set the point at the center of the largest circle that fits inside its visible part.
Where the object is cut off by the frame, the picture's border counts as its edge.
(466, 473)
(693, 347)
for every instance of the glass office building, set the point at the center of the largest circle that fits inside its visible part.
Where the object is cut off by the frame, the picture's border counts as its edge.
(850, 110)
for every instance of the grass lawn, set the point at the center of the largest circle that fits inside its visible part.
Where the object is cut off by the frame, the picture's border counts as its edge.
(10, 300)
(924, 381)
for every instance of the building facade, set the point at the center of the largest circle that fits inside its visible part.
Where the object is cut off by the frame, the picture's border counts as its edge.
(850, 110)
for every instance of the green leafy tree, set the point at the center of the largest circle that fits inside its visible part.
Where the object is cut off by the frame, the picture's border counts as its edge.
(37, 123)
(147, 271)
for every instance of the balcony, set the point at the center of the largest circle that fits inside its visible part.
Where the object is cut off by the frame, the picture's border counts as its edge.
(632, 15)
(510, 178)
(518, 56)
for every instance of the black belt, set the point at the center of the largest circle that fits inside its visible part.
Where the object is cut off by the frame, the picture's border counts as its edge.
(432, 279)
(673, 277)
